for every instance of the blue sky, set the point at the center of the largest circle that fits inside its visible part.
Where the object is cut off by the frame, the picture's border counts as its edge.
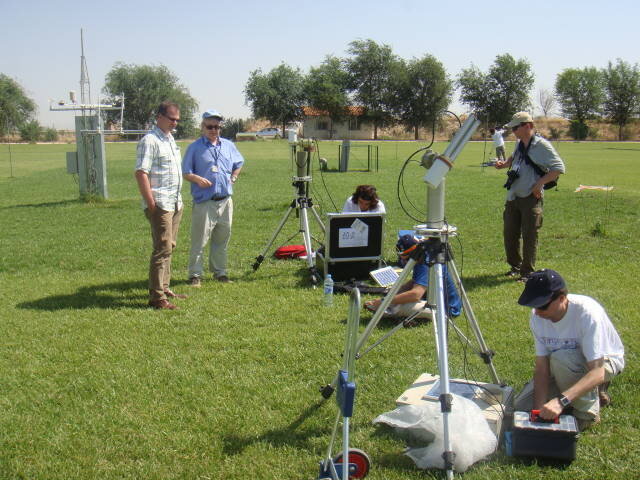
(213, 46)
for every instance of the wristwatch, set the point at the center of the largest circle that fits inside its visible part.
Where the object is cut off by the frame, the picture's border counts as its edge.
(564, 401)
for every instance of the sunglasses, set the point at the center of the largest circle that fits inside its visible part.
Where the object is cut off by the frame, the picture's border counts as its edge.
(171, 119)
(548, 304)
(213, 127)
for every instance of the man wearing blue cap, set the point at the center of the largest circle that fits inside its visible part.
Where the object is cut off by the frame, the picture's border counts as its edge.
(578, 351)
(410, 299)
(212, 164)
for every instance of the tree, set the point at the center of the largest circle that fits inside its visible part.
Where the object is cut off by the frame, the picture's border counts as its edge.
(277, 96)
(423, 92)
(144, 88)
(622, 93)
(30, 131)
(498, 94)
(16, 108)
(370, 68)
(50, 135)
(326, 89)
(580, 93)
(547, 102)
(231, 127)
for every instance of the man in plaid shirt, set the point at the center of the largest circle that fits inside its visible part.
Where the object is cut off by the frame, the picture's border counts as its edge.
(159, 177)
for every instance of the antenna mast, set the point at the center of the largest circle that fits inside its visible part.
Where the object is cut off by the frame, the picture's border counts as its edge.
(85, 85)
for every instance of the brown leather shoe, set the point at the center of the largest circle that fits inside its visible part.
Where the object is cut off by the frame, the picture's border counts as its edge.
(162, 304)
(171, 294)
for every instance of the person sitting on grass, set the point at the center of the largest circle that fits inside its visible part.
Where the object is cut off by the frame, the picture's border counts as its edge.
(578, 351)
(411, 297)
(364, 199)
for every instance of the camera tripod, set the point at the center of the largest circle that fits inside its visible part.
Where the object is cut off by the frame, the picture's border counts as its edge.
(301, 204)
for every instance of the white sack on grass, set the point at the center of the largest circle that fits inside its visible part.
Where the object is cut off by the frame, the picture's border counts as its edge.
(470, 434)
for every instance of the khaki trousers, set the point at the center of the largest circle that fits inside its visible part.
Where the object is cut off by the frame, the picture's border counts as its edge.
(210, 220)
(567, 367)
(164, 233)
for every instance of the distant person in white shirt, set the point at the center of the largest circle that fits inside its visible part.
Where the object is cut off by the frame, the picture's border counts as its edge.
(578, 351)
(364, 199)
(498, 142)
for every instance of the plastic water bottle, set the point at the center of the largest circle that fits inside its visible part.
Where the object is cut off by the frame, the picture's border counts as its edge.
(328, 291)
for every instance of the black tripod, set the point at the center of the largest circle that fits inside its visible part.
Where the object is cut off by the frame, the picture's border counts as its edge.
(302, 203)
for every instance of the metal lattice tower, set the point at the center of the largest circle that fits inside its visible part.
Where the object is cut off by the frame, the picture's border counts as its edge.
(85, 84)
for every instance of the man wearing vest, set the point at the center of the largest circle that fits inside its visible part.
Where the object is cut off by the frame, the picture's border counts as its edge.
(533, 166)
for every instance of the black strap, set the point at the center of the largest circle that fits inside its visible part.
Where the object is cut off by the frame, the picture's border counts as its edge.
(524, 152)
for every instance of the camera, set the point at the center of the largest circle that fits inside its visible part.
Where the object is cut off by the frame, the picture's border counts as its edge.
(512, 176)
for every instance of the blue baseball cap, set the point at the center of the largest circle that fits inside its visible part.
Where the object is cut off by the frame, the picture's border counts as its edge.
(540, 288)
(212, 114)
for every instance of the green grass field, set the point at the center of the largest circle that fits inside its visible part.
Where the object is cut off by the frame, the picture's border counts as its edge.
(95, 385)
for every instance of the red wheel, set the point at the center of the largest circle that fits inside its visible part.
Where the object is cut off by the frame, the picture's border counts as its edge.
(358, 458)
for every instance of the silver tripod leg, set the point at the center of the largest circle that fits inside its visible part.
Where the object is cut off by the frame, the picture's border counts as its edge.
(373, 323)
(436, 291)
(484, 352)
(306, 235)
(319, 220)
(327, 390)
(260, 257)
(404, 323)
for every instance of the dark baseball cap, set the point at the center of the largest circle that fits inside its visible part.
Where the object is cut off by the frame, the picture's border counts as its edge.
(405, 242)
(540, 288)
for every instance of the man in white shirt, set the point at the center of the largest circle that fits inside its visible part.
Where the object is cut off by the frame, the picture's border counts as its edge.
(578, 351)
(498, 143)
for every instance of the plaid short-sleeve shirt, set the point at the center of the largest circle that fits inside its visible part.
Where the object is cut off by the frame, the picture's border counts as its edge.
(159, 156)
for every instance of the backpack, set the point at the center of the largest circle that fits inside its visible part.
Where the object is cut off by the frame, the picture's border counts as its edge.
(290, 251)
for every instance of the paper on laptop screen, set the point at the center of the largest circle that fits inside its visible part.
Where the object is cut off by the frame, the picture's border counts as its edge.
(357, 235)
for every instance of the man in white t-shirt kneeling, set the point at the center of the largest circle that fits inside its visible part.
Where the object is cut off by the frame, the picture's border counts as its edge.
(578, 351)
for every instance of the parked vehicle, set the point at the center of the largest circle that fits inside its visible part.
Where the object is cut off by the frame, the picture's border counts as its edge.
(270, 132)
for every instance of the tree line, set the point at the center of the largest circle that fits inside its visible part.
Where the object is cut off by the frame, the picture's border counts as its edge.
(417, 92)
(412, 93)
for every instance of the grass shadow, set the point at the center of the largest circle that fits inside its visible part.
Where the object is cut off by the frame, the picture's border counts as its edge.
(60, 203)
(132, 295)
(484, 281)
(288, 435)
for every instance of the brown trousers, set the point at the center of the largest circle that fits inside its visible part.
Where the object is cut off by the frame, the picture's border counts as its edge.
(164, 233)
(522, 218)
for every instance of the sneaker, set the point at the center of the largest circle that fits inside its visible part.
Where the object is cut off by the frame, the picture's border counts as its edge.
(514, 272)
(603, 395)
(584, 423)
(223, 279)
(194, 282)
